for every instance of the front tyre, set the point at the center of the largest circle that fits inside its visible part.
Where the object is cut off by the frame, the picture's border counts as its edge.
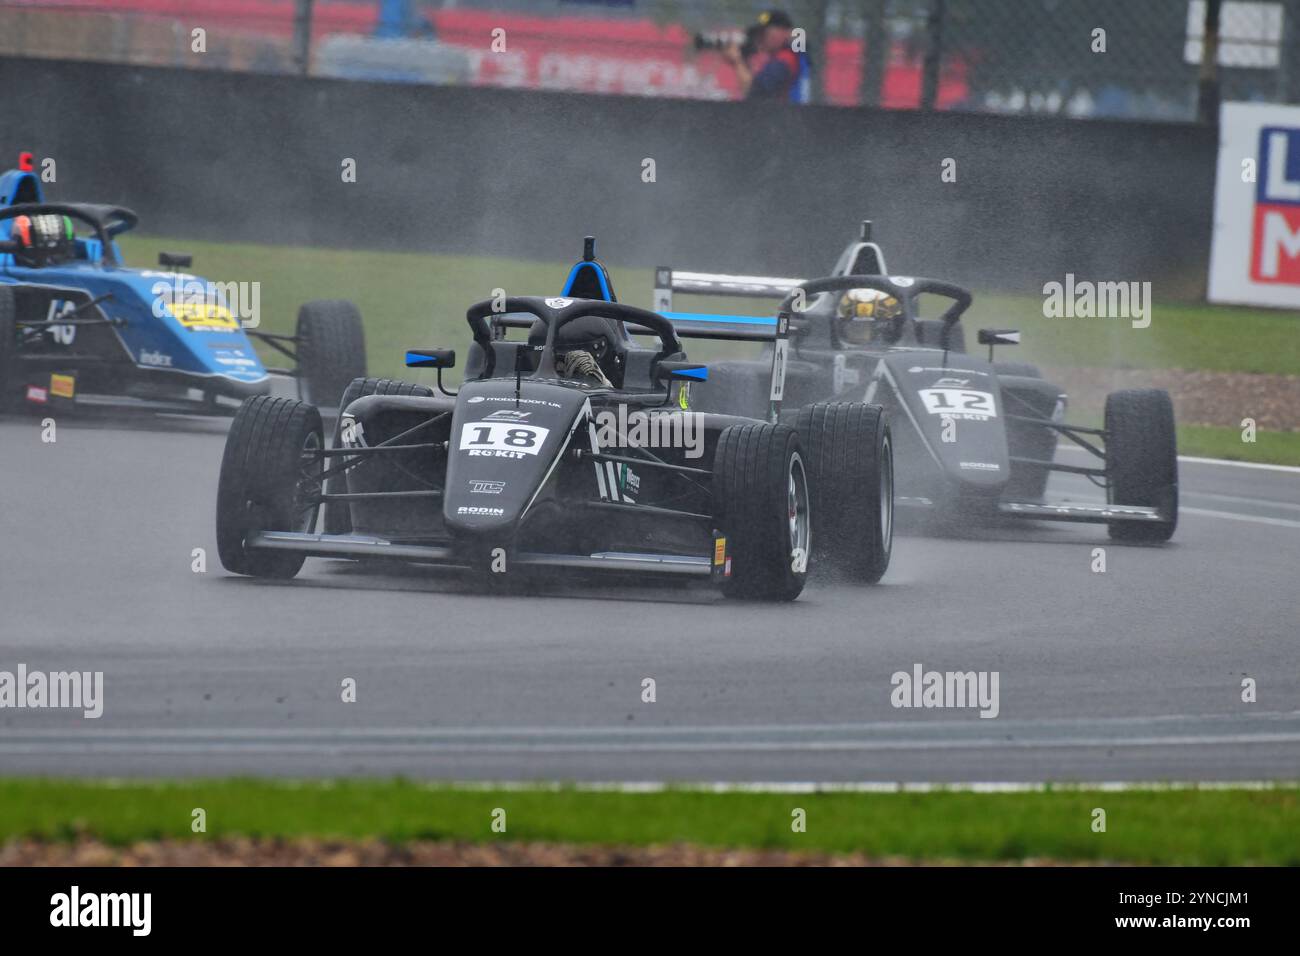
(762, 505)
(331, 346)
(338, 516)
(850, 456)
(270, 481)
(1142, 461)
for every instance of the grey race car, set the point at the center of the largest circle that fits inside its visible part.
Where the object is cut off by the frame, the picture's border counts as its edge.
(974, 437)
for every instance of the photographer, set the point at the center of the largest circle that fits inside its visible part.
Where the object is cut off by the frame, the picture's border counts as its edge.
(766, 65)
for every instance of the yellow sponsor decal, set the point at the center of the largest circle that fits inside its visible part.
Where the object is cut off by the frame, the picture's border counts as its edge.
(206, 314)
(719, 551)
(63, 386)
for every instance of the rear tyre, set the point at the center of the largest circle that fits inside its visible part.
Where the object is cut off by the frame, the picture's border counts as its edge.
(850, 455)
(267, 471)
(929, 333)
(1142, 461)
(762, 505)
(331, 350)
(338, 516)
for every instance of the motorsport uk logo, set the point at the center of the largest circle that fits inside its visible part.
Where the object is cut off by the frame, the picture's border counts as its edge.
(1275, 234)
(54, 690)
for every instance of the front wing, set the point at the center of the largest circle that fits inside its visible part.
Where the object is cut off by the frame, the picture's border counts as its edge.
(369, 546)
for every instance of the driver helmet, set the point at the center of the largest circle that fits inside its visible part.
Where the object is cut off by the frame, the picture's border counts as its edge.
(41, 239)
(588, 348)
(864, 316)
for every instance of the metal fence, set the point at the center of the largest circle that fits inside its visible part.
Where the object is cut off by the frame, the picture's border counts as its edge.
(1135, 59)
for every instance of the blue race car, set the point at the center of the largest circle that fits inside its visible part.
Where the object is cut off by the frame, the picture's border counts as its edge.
(76, 326)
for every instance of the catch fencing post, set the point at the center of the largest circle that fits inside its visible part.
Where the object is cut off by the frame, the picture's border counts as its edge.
(933, 54)
(1207, 92)
(875, 51)
(302, 36)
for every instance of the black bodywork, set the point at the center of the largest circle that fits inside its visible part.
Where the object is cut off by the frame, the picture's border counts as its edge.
(972, 436)
(513, 466)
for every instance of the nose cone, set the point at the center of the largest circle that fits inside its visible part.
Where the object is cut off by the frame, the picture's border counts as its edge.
(958, 411)
(503, 449)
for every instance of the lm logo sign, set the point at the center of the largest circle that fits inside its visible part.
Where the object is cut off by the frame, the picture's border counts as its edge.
(1275, 238)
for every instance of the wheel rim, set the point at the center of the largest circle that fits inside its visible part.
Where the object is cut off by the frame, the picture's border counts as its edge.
(798, 510)
(887, 498)
(307, 496)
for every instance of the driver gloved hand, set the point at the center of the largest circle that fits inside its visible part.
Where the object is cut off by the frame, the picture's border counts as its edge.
(579, 364)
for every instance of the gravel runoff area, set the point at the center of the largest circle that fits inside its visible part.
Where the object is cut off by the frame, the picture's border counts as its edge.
(1200, 397)
(86, 852)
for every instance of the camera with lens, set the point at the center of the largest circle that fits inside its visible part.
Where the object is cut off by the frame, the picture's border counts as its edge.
(747, 40)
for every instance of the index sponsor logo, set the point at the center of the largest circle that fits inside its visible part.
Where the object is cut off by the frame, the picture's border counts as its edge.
(77, 909)
(158, 359)
(56, 690)
(947, 689)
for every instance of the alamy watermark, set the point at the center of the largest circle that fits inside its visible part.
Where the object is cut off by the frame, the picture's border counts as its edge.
(618, 429)
(1083, 299)
(55, 690)
(199, 304)
(955, 689)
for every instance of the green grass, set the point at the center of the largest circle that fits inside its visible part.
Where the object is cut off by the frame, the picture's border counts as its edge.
(1209, 827)
(1271, 447)
(1181, 335)
(413, 299)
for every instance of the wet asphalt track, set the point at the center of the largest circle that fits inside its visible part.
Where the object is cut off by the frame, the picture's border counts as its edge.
(1133, 674)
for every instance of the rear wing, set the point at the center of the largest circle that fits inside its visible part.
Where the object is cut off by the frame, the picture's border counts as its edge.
(861, 257)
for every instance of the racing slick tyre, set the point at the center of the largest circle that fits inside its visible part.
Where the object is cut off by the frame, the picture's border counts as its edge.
(1024, 440)
(1023, 369)
(338, 517)
(850, 455)
(331, 350)
(1142, 461)
(8, 339)
(761, 504)
(266, 475)
(929, 333)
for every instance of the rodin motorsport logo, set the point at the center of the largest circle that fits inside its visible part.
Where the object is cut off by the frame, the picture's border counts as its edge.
(55, 690)
(955, 689)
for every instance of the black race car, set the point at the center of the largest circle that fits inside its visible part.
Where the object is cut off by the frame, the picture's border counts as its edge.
(980, 436)
(575, 449)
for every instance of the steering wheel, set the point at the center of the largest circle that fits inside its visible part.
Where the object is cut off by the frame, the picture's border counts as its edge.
(557, 313)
